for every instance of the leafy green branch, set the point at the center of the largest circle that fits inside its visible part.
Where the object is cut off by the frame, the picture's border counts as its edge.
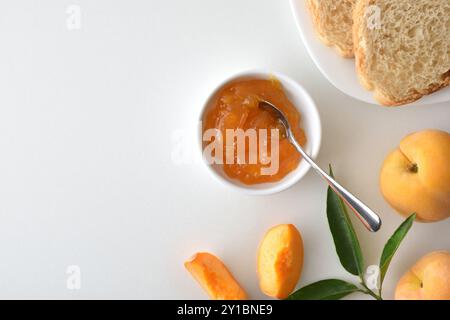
(350, 255)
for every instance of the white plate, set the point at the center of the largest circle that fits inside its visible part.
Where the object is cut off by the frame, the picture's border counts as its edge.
(339, 71)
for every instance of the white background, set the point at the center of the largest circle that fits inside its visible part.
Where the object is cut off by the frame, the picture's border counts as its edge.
(86, 177)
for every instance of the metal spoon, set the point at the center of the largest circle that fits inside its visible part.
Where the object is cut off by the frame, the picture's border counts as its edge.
(369, 218)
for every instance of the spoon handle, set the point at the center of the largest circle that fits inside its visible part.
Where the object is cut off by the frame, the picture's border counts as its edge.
(369, 218)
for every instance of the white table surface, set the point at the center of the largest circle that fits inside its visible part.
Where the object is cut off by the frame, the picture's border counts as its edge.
(87, 177)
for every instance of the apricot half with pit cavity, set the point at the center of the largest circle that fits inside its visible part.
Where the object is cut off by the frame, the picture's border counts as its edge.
(280, 261)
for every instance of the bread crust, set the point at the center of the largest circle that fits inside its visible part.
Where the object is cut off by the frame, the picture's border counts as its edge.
(315, 15)
(360, 59)
(359, 26)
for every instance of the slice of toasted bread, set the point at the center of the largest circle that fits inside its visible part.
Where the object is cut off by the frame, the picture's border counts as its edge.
(402, 48)
(333, 23)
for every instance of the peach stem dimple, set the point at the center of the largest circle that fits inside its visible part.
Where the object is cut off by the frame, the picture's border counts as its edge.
(413, 168)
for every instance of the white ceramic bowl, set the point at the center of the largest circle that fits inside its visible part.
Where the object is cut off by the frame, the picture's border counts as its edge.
(310, 123)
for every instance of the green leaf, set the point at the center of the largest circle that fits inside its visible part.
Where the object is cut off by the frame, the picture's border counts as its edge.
(344, 236)
(331, 289)
(392, 245)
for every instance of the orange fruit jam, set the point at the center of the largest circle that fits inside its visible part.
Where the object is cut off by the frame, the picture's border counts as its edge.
(235, 106)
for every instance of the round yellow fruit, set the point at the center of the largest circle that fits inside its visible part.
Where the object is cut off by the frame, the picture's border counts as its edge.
(280, 261)
(428, 279)
(415, 178)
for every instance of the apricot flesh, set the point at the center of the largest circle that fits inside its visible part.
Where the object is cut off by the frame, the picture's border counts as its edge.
(214, 277)
(280, 261)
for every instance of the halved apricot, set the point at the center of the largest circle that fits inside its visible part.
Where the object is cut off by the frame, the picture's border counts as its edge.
(280, 260)
(212, 274)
